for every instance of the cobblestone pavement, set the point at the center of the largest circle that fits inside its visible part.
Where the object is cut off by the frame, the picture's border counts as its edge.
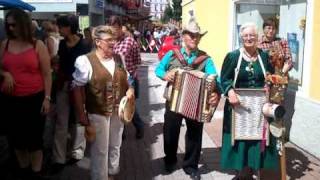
(142, 159)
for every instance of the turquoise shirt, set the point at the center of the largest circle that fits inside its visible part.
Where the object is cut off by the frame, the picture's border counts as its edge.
(163, 66)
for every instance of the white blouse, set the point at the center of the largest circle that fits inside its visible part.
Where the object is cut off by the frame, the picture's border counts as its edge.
(83, 69)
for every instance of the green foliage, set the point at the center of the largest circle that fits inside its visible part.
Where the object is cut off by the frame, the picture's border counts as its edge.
(177, 9)
(167, 14)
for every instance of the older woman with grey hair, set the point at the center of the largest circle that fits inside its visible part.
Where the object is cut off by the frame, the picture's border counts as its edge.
(100, 81)
(245, 68)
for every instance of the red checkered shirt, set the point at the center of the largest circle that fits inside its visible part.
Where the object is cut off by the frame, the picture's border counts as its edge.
(266, 45)
(129, 48)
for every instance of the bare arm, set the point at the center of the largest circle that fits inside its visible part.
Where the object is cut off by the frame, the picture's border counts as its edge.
(50, 45)
(44, 60)
(2, 46)
(79, 101)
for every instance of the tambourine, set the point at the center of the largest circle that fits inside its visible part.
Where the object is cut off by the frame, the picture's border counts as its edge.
(126, 110)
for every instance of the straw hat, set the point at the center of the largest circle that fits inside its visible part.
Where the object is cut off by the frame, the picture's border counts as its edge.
(126, 110)
(193, 27)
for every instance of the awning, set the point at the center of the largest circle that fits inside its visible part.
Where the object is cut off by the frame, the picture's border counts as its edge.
(7, 4)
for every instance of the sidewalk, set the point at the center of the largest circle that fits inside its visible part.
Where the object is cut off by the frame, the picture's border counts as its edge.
(145, 155)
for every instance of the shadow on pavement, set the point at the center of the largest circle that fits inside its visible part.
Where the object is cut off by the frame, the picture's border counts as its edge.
(298, 165)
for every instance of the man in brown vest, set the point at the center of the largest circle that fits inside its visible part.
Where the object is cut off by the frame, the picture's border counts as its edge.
(100, 81)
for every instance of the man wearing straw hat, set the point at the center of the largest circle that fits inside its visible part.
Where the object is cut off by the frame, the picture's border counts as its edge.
(191, 36)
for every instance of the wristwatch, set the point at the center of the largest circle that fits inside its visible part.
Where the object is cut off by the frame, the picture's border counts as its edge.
(47, 98)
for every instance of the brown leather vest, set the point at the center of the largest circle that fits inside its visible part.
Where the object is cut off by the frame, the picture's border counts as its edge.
(103, 93)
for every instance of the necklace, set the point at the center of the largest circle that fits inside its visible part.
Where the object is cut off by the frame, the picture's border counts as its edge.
(252, 57)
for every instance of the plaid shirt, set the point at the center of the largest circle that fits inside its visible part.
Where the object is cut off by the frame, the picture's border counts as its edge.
(129, 48)
(266, 45)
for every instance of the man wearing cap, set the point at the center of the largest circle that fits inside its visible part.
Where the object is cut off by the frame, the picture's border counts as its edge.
(191, 36)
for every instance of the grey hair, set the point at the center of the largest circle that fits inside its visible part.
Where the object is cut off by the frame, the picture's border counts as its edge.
(101, 30)
(247, 25)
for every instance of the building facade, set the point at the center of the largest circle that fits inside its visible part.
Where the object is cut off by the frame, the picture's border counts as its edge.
(157, 8)
(299, 23)
(48, 9)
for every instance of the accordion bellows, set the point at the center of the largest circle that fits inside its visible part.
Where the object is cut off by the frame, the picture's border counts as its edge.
(189, 94)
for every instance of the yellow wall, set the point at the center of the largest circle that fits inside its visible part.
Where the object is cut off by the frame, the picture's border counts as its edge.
(315, 58)
(212, 16)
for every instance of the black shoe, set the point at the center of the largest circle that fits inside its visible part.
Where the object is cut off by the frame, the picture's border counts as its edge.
(139, 133)
(38, 176)
(72, 161)
(23, 173)
(195, 175)
(170, 167)
(55, 168)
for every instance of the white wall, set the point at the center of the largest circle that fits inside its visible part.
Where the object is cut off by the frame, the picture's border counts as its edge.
(304, 118)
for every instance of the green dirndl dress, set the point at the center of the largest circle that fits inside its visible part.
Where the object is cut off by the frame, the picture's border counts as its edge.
(244, 153)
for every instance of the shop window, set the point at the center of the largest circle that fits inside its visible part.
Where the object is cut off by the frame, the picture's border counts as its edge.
(153, 8)
(291, 17)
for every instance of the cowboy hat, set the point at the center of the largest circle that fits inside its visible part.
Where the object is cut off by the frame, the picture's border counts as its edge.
(193, 27)
(126, 110)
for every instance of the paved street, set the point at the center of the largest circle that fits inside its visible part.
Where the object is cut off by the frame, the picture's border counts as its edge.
(142, 159)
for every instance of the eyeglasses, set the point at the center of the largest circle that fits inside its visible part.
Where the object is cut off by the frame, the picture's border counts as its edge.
(247, 36)
(108, 40)
(11, 24)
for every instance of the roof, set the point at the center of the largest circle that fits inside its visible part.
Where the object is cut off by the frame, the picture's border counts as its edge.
(7, 4)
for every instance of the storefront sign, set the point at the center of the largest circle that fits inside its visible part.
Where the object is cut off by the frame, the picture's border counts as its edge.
(99, 4)
(48, 1)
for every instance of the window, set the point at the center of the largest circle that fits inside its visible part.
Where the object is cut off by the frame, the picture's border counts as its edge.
(152, 8)
(291, 16)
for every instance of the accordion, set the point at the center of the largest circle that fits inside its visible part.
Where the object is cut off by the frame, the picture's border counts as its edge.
(189, 94)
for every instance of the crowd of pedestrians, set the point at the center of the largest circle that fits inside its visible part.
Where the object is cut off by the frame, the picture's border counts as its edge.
(42, 69)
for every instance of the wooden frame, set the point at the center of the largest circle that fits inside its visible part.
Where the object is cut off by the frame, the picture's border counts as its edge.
(248, 121)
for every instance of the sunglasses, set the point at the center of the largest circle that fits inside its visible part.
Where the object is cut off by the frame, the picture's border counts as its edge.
(11, 24)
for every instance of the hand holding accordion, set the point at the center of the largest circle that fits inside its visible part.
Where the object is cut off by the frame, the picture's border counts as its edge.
(190, 94)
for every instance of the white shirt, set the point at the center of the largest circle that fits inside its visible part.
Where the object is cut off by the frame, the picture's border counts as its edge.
(56, 42)
(83, 69)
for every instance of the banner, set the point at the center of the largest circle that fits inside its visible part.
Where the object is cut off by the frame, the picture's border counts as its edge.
(48, 1)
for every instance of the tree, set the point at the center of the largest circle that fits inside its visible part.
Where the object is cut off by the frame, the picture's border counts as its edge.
(177, 9)
(167, 14)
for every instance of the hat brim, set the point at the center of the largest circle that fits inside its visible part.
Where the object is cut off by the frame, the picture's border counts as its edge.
(185, 31)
